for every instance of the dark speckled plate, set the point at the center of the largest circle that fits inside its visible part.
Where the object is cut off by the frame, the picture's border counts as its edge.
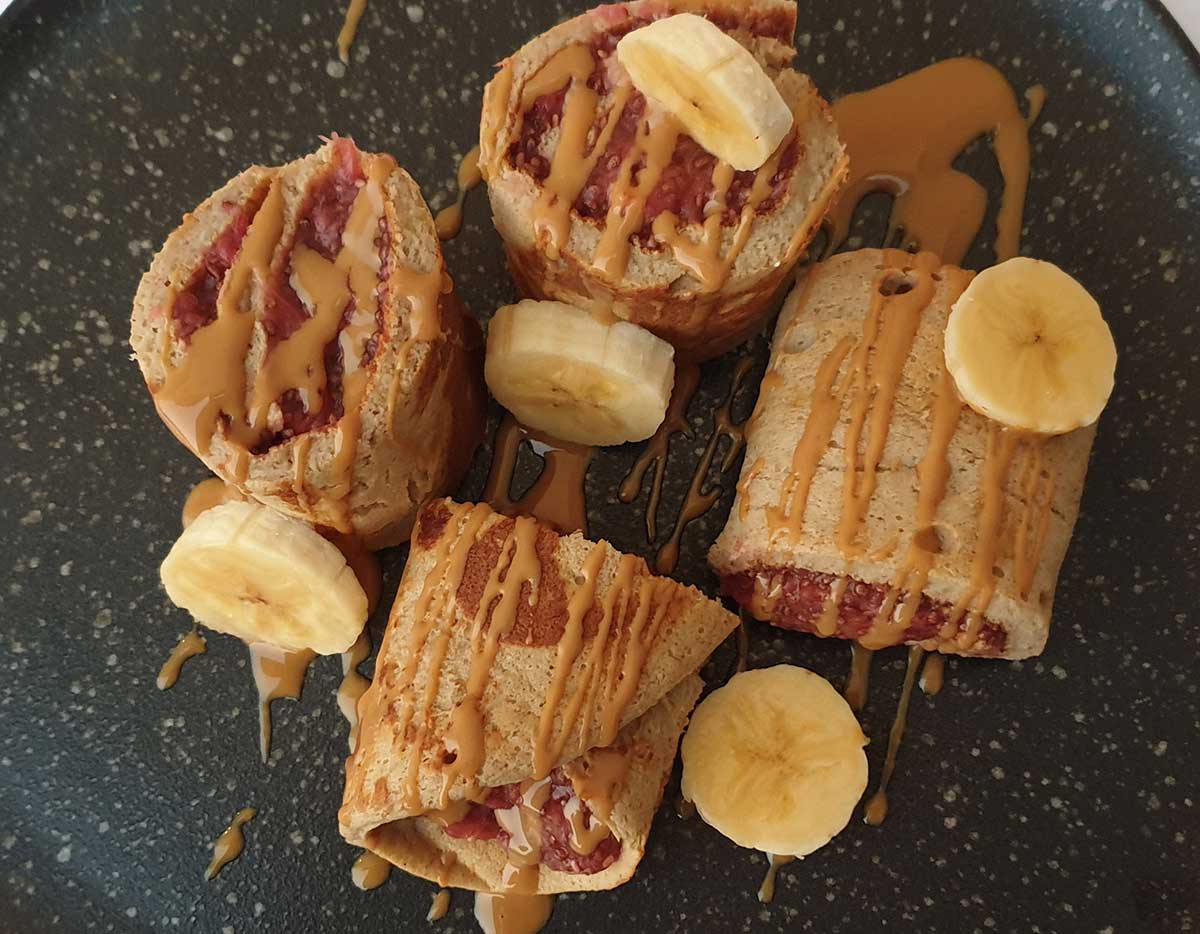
(1059, 795)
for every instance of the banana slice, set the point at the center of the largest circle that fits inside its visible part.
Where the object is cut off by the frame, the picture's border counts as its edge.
(1028, 347)
(711, 84)
(774, 760)
(576, 376)
(251, 572)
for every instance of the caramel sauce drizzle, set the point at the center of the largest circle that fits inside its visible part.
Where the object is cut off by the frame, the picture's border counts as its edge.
(859, 679)
(189, 646)
(277, 673)
(903, 138)
(369, 871)
(229, 845)
(448, 221)
(207, 494)
(439, 904)
(207, 389)
(557, 496)
(877, 807)
(687, 378)
(698, 500)
(575, 155)
(345, 38)
(353, 685)
(766, 891)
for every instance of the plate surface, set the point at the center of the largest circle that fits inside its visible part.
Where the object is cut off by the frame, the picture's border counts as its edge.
(1055, 795)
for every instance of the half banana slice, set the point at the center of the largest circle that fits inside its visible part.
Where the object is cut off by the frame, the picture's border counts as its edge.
(774, 760)
(711, 84)
(1028, 347)
(246, 570)
(578, 376)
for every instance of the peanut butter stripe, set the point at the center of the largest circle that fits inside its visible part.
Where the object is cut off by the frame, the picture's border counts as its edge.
(207, 390)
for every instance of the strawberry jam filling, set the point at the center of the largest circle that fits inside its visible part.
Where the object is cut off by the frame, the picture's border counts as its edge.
(685, 186)
(557, 853)
(320, 226)
(196, 305)
(801, 601)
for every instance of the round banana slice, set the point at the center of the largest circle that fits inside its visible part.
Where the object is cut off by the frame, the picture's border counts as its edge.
(774, 760)
(573, 375)
(1028, 347)
(711, 84)
(246, 570)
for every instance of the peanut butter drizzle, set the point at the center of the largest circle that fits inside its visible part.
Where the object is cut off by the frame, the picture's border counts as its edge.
(353, 685)
(438, 906)
(766, 891)
(933, 673)
(496, 100)
(208, 387)
(512, 912)
(650, 154)
(687, 378)
(877, 807)
(903, 137)
(787, 516)
(828, 620)
(1035, 100)
(518, 563)
(703, 258)
(859, 679)
(370, 871)
(345, 38)
(518, 908)
(973, 604)
(557, 497)
(210, 380)
(597, 777)
(448, 221)
(190, 645)
(228, 846)
(205, 495)
(277, 673)
(933, 475)
(573, 159)
(698, 500)
(876, 366)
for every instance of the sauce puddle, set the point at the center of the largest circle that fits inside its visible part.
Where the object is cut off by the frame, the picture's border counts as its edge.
(439, 905)
(512, 912)
(370, 871)
(189, 646)
(699, 500)
(877, 807)
(277, 673)
(228, 846)
(448, 221)
(687, 377)
(903, 138)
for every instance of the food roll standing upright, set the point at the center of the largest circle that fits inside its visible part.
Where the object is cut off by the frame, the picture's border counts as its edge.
(663, 162)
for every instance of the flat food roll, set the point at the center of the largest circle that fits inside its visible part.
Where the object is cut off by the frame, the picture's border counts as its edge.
(511, 651)
(874, 505)
(299, 333)
(615, 218)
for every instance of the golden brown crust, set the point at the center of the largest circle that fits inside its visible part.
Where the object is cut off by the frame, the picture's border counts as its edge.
(825, 309)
